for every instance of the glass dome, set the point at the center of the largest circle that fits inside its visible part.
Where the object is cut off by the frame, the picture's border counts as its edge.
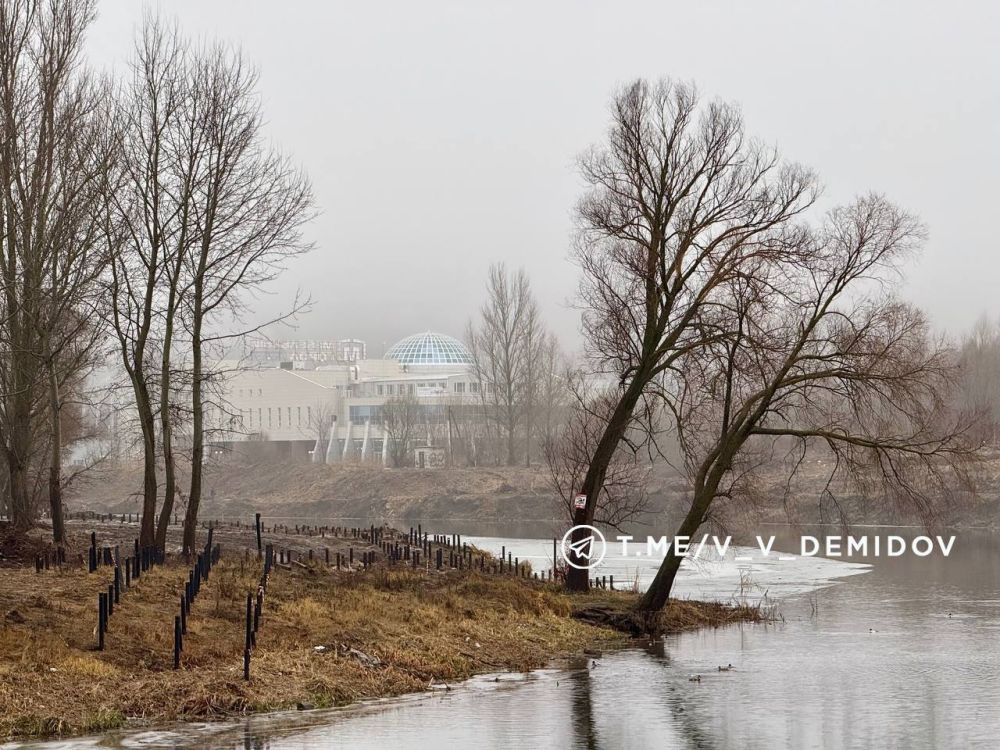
(430, 349)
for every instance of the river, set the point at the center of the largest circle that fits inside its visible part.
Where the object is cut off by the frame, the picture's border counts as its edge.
(873, 653)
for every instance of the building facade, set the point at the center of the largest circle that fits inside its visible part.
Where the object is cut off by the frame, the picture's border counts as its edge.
(292, 402)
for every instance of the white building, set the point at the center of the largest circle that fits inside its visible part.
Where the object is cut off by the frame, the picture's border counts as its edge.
(333, 412)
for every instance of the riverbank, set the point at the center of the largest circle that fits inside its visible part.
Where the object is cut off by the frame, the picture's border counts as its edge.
(328, 637)
(474, 497)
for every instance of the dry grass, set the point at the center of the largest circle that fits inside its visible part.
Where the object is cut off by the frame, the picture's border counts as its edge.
(683, 614)
(421, 628)
(416, 626)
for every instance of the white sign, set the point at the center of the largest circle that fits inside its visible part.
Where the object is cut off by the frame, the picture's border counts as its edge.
(580, 502)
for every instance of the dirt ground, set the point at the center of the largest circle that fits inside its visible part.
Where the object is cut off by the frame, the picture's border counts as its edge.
(237, 487)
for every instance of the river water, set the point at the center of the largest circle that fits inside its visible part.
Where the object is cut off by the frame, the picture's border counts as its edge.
(873, 653)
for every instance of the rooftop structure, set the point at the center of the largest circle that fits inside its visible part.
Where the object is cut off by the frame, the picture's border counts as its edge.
(430, 349)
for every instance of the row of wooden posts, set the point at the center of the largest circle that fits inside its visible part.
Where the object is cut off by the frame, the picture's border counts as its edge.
(459, 555)
(416, 545)
(126, 571)
(199, 572)
(506, 563)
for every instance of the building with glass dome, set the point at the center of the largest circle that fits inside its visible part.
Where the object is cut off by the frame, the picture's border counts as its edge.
(330, 412)
(430, 349)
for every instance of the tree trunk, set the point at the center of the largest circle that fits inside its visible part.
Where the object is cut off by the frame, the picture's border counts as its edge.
(198, 429)
(511, 443)
(147, 424)
(528, 423)
(55, 465)
(658, 593)
(166, 433)
(20, 505)
(18, 451)
(705, 488)
(578, 579)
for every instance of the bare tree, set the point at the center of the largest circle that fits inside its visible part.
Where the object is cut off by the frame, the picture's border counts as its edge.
(818, 354)
(150, 217)
(205, 216)
(322, 417)
(402, 421)
(52, 162)
(505, 347)
(679, 200)
(979, 358)
(249, 208)
(554, 390)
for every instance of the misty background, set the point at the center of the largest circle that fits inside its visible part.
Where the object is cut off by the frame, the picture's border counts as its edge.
(442, 136)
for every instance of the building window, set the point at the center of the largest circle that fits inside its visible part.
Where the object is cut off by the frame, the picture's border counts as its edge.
(378, 390)
(270, 422)
(300, 415)
(309, 414)
(260, 422)
(459, 387)
(289, 416)
(361, 414)
(250, 412)
(392, 388)
(410, 389)
(473, 387)
(279, 417)
(260, 392)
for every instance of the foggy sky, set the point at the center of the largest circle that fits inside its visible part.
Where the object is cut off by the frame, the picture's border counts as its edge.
(442, 136)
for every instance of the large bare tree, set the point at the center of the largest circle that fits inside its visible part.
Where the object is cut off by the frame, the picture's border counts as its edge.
(206, 214)
(53, 163)
(816, 357)
(679, 199)
(151, 217)
(250, 204)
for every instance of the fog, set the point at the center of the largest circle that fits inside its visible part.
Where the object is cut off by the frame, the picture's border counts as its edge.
(442, 136)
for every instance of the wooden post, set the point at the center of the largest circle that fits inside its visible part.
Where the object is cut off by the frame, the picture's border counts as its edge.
(102, 618)
(257, 527)
(249, 638)
(177, 641)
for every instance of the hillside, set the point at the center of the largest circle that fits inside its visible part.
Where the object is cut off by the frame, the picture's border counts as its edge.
(345, 490)
(507, 495)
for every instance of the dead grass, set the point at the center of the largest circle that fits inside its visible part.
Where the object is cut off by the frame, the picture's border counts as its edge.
(382, 632)
(417, 627)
